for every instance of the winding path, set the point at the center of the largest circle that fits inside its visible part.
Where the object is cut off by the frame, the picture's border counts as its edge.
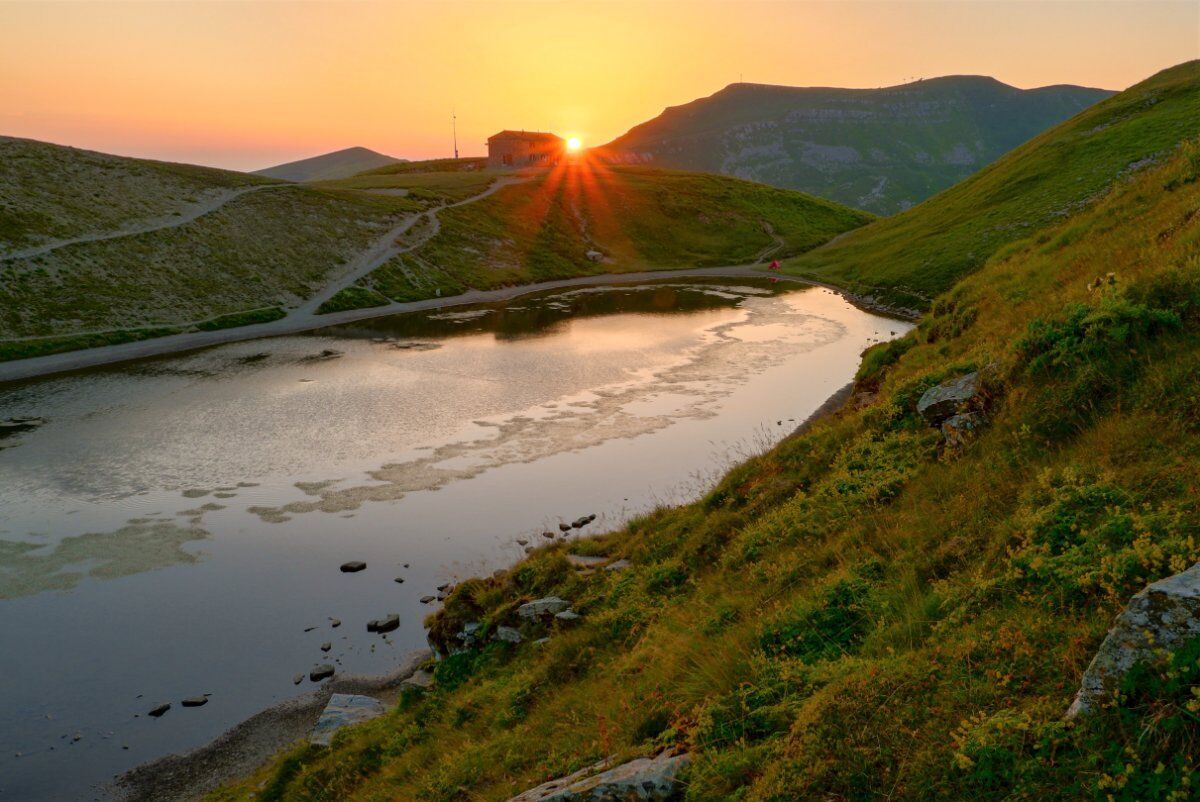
(190, 214)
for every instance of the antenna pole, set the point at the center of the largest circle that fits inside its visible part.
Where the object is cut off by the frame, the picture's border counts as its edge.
(454, 128)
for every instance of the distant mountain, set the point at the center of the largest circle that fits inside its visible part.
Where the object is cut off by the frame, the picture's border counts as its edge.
(330, 166)
(882, 150)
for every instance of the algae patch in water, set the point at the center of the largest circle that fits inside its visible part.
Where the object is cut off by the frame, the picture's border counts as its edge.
(133, 548)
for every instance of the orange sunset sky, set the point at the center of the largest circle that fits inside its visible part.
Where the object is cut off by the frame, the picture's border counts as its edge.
(248, 84)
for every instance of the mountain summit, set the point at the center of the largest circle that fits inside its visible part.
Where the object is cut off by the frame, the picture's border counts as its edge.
(882, 150)
(329, 166)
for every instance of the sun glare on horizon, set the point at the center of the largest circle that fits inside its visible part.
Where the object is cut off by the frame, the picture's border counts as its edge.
(573, 144)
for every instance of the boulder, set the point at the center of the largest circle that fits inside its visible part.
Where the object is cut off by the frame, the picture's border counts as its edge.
(326, 646)
(353, 567)
(507, 634)
(323, 671)
(343, 710)
(421, 680)
(195, 701)
(540, 607)
(158, 710)
(584, 561)
(959, 429)
(646, 778)
(1160, 618)
(948, 398)
(567, 616)
(564, 527)
(594, 255)
(427, 599)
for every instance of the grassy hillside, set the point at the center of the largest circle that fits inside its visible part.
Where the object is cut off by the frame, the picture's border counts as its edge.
(877, 149)
(630, 218)
(50, 192)
(97, 249)
(919, 253)
(435, 180)
(865, 611)
(329, 166)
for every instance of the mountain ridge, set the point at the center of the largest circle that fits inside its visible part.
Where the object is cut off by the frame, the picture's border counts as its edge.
(882, 150)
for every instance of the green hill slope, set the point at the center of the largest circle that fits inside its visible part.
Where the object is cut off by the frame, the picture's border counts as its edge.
(877, 149)
(627, 218)
(870, 608)
(921, 252)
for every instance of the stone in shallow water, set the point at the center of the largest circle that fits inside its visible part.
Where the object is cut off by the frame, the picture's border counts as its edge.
(1158, 619)
(642, 779)
(323, 671)
(195, 701)
(159, 710)
(353, 567)
(343, 710)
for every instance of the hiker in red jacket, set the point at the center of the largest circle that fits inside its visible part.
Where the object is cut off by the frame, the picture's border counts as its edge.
(774, 265)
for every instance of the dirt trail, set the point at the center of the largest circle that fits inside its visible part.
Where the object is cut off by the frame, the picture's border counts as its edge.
(188, 215)
(386, 247)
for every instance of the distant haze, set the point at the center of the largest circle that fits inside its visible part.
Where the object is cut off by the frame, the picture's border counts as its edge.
(250, 84)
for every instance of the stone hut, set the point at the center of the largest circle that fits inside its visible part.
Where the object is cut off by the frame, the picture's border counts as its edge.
(524, 149)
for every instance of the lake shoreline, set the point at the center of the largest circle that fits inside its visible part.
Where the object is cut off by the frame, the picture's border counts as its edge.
(248, 745)
(70, 361)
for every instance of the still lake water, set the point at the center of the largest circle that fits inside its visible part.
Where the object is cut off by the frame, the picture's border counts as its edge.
(175, 525)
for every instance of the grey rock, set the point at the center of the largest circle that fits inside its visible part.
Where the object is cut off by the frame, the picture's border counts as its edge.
(420, 680)
(1160, 618)
(326, 646)
(594, 255)
(619, 565)
(948, 398)
(343, 710)
(323, 671)
(296, 680)
(567, 616)
(539, 607)
(195, 701)
(584, 561)
(564, 527)
(523, 542)
(399, 580)
(646, 778)
(158, 710)
(507, 634)
(335, 623)
(427, 599)
(382, 625)
(548, 535)
(353, 567)
(959, 429)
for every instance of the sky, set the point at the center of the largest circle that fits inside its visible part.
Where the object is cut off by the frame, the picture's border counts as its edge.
(245, 84)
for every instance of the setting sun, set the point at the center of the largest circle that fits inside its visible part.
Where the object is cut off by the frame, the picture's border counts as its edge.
(573, 144)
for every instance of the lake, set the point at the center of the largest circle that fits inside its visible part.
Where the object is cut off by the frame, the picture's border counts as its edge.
(175, 527)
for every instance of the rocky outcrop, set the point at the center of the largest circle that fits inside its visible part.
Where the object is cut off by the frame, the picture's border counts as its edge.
(645, 778)
(542, 607)
(949, 398)
(342, 710)
(1158, 619)
(959, 429)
